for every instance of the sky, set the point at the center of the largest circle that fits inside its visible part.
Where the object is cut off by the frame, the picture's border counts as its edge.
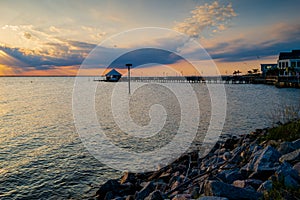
(56, 37)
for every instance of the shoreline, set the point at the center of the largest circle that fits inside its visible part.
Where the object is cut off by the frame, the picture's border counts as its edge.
(258, 165)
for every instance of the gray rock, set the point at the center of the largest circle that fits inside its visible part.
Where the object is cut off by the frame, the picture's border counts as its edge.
(148, 188)
(297, 167)
(156, 195)
(109, 195)
(248, 183)
(119, 198)
(290, 182)
(265, 186)
(109, 186)
(228, 176)
(226, 156)
(127, 177)
(296, 144)
(263, 160)
(286, 170)
(216, 188)
(288, 175)
(287, 147)
(212, 198)
(291, 157)
(130, 197)
(182, 197)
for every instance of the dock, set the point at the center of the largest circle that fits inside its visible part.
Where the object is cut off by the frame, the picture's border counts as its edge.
(190, 79)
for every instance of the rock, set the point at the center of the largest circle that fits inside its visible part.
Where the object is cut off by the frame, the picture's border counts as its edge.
(239, 183)
(263, 160)
(286, 147)
(261, 175)
(182, 197)
(230, 143)
(194, 173)
(228, 176)
(195, 192)
(127, 177)
(290, 182)
(265, 186)
(148, 188)
(119, 198)
(296, 144)
(212, 198)
(297, 167)
(291, 157)
(254, 183)
(156, 195)
(109, 186)
(130, 197)
(226, 156)
(216, 188)
(109, 195)
(288, 175)
(161, 186)
(286, 169)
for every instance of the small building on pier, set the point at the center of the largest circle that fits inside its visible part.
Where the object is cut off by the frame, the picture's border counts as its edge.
(113, 76)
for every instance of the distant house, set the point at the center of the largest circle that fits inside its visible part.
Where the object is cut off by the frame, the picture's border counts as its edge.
(113, 76)
(289, 63)
(265, 68)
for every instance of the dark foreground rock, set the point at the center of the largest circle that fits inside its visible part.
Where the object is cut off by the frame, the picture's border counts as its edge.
(236, 168)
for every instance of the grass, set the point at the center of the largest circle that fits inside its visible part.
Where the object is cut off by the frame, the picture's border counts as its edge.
(280, 192)
(286, 132)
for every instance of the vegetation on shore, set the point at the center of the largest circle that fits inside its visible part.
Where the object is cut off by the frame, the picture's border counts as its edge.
(285, 132)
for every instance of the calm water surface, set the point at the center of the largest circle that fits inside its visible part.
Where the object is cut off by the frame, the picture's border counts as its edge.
(42, 156)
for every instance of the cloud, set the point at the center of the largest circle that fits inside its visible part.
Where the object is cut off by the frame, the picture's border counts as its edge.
(214, 17)
(280, 37)
(27, 35)
(66, 53)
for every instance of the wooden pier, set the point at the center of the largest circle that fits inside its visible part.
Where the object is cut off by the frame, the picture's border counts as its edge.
(191, 79)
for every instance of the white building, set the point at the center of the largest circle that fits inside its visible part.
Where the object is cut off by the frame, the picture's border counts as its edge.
(289, 63)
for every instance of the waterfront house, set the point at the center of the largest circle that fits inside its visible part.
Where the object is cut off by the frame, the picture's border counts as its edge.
(289, 63)
(268, 69)
(113, 76)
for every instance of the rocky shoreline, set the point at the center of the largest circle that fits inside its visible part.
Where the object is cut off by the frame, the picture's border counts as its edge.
(238, 167)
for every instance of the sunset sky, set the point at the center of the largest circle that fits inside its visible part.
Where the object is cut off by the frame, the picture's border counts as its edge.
(43, 37)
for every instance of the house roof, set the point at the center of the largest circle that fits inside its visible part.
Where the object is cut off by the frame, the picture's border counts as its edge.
(113, 72)
(295, 54)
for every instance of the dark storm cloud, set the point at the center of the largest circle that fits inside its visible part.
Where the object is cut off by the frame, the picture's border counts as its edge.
(145, 56)
(67, 53)
(287, 38)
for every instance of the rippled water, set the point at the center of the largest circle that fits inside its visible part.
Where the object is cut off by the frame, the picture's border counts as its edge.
(42, 156)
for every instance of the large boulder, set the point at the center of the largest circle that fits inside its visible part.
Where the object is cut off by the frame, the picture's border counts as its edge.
(287, 147)
(265, 186)
(265, 160)
(112, 186)
(156, 195)
(289, 176)
(216, 188)
(212, 198)
(147, 189)
(292, 157)
(228, 176)
(297, 167)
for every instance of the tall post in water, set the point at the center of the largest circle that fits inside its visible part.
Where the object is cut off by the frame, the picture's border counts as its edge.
(128, 67)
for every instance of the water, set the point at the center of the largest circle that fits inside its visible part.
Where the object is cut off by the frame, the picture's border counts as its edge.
(42, 156)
